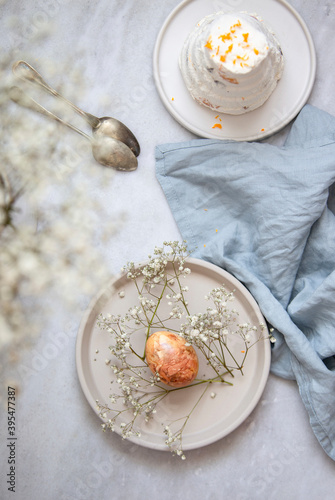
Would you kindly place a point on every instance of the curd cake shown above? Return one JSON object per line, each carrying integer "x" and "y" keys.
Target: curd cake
{"x": 231, "y": 62}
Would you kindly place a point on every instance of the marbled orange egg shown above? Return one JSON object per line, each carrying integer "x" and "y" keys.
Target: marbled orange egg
{"x": 168, "y": 355}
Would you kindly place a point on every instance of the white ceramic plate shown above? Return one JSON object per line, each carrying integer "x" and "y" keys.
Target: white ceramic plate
{"x": 283, "y": 105}
{"x": 213, "y": 418}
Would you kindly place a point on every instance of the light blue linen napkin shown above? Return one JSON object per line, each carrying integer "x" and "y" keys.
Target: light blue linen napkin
{"x": 266, "y": 214}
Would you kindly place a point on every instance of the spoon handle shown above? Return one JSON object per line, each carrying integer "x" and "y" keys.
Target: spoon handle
{"x": 18, "y": 96}
{"x": 26, "y": 72}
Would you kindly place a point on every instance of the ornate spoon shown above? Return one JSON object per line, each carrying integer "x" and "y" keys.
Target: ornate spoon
{"x": 105, "y": 126}
{"x": 106, "y": 150}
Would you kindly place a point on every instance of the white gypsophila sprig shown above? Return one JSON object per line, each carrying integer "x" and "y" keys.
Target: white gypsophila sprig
{"x": 212, "y": 330}
{"x": 221, "y": 340}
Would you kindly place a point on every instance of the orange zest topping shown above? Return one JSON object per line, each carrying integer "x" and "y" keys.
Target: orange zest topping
{"x": 236, "y": 25}
{"x": 256, "y": 52}
{"x": 223, "y": 58}
{"x": 226, "y": 36}
{"x": 230, "y": 48}
{"x": 262, "y": 129}
{"x": 245, "y": 36}
{"x": 217, "y": 125}
{"x": 209, "y": 43}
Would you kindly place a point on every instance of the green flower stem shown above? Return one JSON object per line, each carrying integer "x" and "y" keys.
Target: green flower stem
{"x": 238, "y": 367}
{"x": 223, "y": 359}
{"x": 154, "y": 314}
{"x": 246, "y": 347}
{"x": 132, "y": 350}
{"x": 181, "y": 430}
{"x": 216, "y": 371}
{"x": 203, "y": 381}
{"x": 180, "y": 288}
{"x": 140, "y": 293}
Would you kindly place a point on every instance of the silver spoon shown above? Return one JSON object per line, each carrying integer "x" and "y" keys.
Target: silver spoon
{"x": 105, "y": 126}
{"x": 106, "y": 150}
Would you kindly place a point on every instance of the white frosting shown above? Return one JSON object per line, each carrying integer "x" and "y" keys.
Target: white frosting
{"x": 231, "y": 62}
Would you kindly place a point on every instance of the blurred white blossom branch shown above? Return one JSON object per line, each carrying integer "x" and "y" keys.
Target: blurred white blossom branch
{"x": 51, "y": 221}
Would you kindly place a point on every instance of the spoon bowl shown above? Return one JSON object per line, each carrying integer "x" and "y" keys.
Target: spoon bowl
{"x": 111, "y": 127}
{"x": 113, "y": 153}
{"x": 105, "y": 126}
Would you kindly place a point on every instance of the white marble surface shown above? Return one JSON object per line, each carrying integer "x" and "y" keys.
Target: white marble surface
{"x": 62, "y": 453}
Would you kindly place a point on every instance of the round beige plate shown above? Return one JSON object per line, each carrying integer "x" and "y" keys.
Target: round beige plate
{"x": 213, "y": 418}
{"x": 283, "y": 105}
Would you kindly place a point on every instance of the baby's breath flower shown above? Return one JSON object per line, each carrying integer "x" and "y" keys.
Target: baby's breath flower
{"x": 49, "y": 218}
{"x": 210, "y": 332}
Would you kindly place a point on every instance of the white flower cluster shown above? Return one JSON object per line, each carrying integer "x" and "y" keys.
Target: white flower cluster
{"x": 154, "y": 272}
{"x": 49, "y": 231}
{"x": 212, "y": 333}
{"x": 174, "y": 441}
{"x": 215, "y": 323}
{"x": 131, "y": 400}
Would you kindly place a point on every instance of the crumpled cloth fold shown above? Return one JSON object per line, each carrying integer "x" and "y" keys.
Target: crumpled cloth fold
{"x": 266, "y": 214}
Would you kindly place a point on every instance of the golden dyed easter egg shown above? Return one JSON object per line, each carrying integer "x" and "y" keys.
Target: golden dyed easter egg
{"x": 168, "y": 355}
